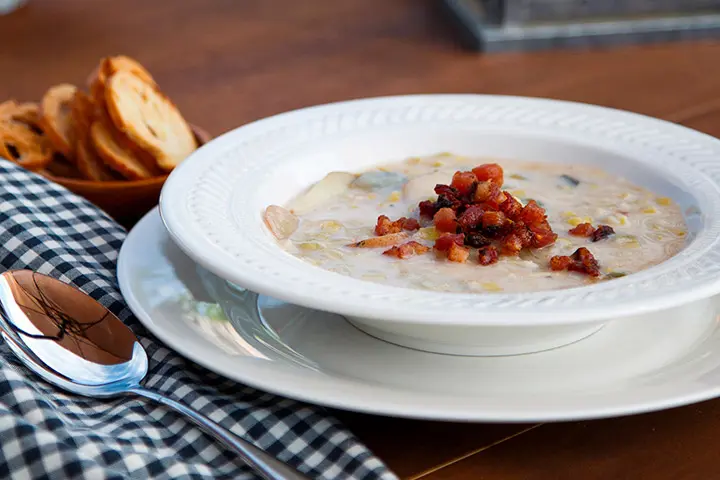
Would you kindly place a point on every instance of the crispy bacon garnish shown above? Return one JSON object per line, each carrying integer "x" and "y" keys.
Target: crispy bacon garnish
{"x": 464, "y": 182}
{"x": 587, "y": 230}
{"x": 407, "y": 250}
{"x": 447, "y": 240}
{"x": 487, "y": 255}
{"x": 385, "y": 225}
{"x": 382, "y": 241}
{"x": 474, "y": 212}
{"x": 581, "y": 261}
{"x": 582, "y": 230}
{"x": 458, "y": 254}
{"x": 602, "y": 231}
{"x": 445, "y": 220}
{"x": 489, "y": 171}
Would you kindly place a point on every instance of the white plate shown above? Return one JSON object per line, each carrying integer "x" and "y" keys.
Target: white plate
{"x": 628, "y": 367}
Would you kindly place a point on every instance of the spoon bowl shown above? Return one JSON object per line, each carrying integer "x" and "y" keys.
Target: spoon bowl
{"x": 72, "y": 341}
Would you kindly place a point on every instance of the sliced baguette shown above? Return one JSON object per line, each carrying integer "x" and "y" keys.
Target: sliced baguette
{"x": 115, "y": 156}
{"x": 149, "y": 119}
{"x": 109, "y": 66}
{"x": 55, "y": 118}
{"x": 90, "y": 164}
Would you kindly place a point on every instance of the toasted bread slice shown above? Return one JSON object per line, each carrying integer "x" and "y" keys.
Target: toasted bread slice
{"x": 27, "y": 113}
{"x": 149, "y": 119}
{"x": 24, "y": 146}
{"x": 90, "y": 165}
{"x": 82, "y": 114}
{"x": 55, "y": 117}
{"x": 109, "y": 66}
{"x": 115, "y": 156}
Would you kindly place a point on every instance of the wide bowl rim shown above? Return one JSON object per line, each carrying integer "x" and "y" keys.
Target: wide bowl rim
{"x": 364, "y": 301}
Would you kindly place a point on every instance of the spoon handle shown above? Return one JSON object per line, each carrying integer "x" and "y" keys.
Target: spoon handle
{"x": 266, "y": 465}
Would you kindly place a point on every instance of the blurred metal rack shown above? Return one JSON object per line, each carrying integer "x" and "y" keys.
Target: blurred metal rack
{"x": 520, "y": 25}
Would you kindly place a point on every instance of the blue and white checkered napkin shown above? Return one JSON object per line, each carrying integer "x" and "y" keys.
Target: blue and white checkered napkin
{"x": 48, "y": 434}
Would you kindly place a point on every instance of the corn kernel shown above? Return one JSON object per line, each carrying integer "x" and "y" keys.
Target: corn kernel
{"x": 394, "y": 197}
{"x": 428, "y": 233}
{"x": 383, "y": 169}
{"x": 491, "y": 287}
{"x": 623, "y": 220}
{"x": 623, "y": 196}
{"x": 330, "y": 226}
{"x": 310, "y": 246}
{"x": 587, "y": 219}
{"x": 372, "y": 196}
{"x": 649, "y": 210}
{"x": 438, "y": 164}
{"x": 680, "y": 233}
{"x": 568, "y": 214}
{"x": 517, "y": 176}
{"x": 659, "y": 237}
{"x": 664, "y": 201}
{"x": 575, "y": 221}
{"x": 413, "y": 160}
{"x": 444, "y": 154}
{"x": 518, "y": 193}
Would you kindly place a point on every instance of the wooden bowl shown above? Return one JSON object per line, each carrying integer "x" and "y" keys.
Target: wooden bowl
{"x": 124, "y": 200}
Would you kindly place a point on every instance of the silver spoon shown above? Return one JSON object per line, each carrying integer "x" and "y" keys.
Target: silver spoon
{"x": 73, "y": 342}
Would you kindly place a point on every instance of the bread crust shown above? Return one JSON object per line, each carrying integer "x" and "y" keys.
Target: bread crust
{"x": 55, "y": 117}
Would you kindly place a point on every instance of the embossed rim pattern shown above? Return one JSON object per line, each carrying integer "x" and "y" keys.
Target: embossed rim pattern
{"x": 207, "y": 205}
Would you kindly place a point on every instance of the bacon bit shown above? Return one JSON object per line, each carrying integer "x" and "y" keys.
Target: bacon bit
{"x": 581, "y": 261}
{"x": 511, "y": 207}
{"x": 489, "y": 171}
{"x": 472, "y": 217}
{"x": 485, "y": 191}
{"x": 532, "y": 213}
{"x": 427, "y": 208}
{"x": 542, "y": 234}
{"x": 523, "y": 233}
{"x": 445, "y": 220}
{"x": 560, "y": 262}
{"x": 407, "y": 250}
{"x": 385, "y": 226}
{"x": 382, "y": 241}
{"x": 463, "y": 182}
{"x": 476, "y": 240}
{"x": 582, "y": 230}
{"x": 511, "y": 245}
{"x": 493, "y": 220}
{"x": 458, "y": 254}
{"x": 487, "y": 255}
{"x": 602, "y": 231}
{"x": 447, "y": 240}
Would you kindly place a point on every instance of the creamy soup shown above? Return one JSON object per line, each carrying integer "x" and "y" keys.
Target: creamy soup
{"x": 626, "y": 228}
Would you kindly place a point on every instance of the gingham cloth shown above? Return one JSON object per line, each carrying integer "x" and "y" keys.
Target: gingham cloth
{"x": 48, "y": 434}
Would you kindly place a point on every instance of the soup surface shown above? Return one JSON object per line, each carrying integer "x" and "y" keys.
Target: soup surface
{"x": 334, "y": 225}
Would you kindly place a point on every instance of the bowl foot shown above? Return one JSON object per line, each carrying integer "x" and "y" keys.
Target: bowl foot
{"x": 477, "y": 341}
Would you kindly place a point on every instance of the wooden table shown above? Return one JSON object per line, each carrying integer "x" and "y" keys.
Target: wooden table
{"x": 227, "y": 62}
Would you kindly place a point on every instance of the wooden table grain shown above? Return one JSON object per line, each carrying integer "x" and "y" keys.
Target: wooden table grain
{"x": 228, "y": 62}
